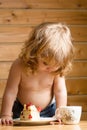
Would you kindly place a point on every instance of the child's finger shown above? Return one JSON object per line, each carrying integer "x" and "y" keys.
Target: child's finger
{"x": 3, "y": 122}
{"x": 55, "y": 123}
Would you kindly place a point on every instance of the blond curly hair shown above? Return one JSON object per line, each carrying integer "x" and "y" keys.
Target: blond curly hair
{"x": 53, "y": 43}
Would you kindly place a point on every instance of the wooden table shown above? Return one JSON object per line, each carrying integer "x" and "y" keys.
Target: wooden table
{"x": 81, "y": 126}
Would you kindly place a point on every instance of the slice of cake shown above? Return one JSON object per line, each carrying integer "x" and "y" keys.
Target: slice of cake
{"x": 30, "y": 112}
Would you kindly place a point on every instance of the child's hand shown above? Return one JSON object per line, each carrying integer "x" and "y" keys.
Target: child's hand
{"x": 6, "y": 120}
{"x": 57, "y": 122}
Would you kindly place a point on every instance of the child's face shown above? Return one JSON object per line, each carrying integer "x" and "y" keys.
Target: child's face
{"x": 43, "y": 66}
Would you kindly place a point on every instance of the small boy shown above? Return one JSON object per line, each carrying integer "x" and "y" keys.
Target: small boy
{"x": 37, "y": 76}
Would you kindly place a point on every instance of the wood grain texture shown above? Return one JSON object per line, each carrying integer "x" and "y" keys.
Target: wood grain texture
{"x": 35, "y": 17}
{"x": 44, "y": 4}
{"x": 84, "y": 116}
{"x": 79, "y": 68}
{"x": 78, "y": 100}
{"x": 81, "y": 51}
{"x": 2, "y": 87}
{"x": 9, "y": 52}
{"x": 14, "y": 33}
{"x": 76, "y": 86}
{"x": 4, "y": 69}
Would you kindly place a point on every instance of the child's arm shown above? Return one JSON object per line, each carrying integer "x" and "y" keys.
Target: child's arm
{"x": 60, "y": 91}
{"x": 10, "y": 93}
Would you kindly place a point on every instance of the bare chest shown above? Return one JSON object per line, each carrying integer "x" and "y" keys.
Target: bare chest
{"x": 37, "y": 82}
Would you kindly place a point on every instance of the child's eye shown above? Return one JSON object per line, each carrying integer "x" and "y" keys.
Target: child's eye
{"x": 45, "y": 63}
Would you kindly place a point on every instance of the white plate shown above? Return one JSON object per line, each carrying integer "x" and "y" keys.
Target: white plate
{"x": 42, "y": 121}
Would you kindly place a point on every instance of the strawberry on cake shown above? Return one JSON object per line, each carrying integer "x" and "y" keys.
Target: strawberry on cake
{"x": 30, "y": 112}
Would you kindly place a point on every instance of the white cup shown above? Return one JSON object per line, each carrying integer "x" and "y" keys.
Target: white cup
{"x": 69, "y": 114}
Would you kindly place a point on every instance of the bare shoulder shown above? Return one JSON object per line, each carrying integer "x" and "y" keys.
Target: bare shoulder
{"x": 17, "y": 66}
{"x": 59, "y": 78}
{"x": 59, "y": 82}
{"x": 17, "y": 62}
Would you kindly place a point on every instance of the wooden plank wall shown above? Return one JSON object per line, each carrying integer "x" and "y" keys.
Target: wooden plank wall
{"x": 18, "y": 17}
